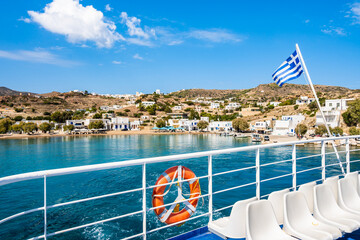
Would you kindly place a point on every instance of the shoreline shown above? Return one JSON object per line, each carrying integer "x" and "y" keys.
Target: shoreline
{"x": 108, "y": 133}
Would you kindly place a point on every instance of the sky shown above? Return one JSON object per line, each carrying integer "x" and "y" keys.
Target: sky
{"x": 120, "y": 47}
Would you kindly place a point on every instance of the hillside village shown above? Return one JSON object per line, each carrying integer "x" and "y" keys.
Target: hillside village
{"x": 267, "y": 109}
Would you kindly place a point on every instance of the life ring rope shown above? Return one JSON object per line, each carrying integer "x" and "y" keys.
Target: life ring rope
{"x": 183, "y": 174}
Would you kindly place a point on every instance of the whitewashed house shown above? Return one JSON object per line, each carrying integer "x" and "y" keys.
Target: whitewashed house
{"x": 206, "y": 119}
{"x": 332, "y": 112}
{"x": 304, "y": 100}
{"x": 233, "y": 106}
{"x": 135, "y": 125}
{"x": 177, "y": 108}
{"x": 146, "y": 104}
{"x": 275, "y": 104}
{"x": 260, "y": 126}
{"x": 120, "y": 123}
{"x": 220, "y": 126}
{"x": 215, "y": 105}
{"x": 287, "y": 124}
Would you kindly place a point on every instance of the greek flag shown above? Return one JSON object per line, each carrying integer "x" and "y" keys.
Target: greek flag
{"x": 288, "y": 70}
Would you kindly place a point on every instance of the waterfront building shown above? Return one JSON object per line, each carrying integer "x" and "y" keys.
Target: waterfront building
{"x": 216, "y": 126}
{"x": 332, "y": 111}
{"x": 287, "y": 125}
{"x": 120, "y": 123}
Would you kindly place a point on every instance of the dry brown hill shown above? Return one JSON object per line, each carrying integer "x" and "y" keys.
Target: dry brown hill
{"x": 4, "y": 91}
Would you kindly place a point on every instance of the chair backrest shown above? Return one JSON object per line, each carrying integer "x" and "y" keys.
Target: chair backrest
{"x": 347, "y": 193}
{"x": 324, "y": 200}
{"x": 308, "y": 191}
{"x": 353, "y": 176}
{"x": 332, "y": 182}
{"x": 277, "y": 202}
{"x": 238, "y": 218}
{"x": 296, "y": 210}
{"x": 260, "y": 220}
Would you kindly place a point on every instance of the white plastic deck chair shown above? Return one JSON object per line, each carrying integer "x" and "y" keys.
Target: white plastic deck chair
{"x": 354, "y": 177}
{"x": 328, "y": 211}
{"x": 332, "y": 182}
{"x": 349, "y": 200}
{"x": 261, "y": 222}
{"x": 308, "y": 190}
{"x": 299, "y": 222}
{"x": 233, "y": 226}
{"x": 277, "y": 202}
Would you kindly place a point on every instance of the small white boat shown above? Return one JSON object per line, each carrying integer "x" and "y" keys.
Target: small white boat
{"x": 255, "y": 137}
{"x": 241, "y": 136}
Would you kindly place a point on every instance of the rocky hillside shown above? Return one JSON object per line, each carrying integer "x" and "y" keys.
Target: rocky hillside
{"x": 4, "y": 91}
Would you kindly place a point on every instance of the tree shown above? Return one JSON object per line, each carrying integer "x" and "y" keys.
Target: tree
{"x": 337, "y": 130}
{"x": 18, "y": 118}
{"x": 151, "y": 109}
{"x": 301, "y": 129}
{"x": 45, "y": 127}
{"x": 18, "y": 128}
{"x": 240, "y": 124}
{"x": 193, "y": 115}
{"x": 68, "y": 127}
{"x": 320, "y": 130}
{"x": 354, "y": 131}
{"x": 160, "y": 123}
{"x": 5, "y": 125}
{"x": 313, "y": 106}
{"x": 30, "y": 127}
{"x": 97, "y": 116}
{"x": 202, "y": 125}
{"x": 98, "y": 124}
{"x": 352, "y": 115}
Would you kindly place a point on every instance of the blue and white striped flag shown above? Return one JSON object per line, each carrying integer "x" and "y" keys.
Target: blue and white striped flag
{"x": 288, "y": 70}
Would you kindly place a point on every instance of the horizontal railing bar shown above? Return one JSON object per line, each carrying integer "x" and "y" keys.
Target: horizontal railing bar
{"x": 355, "y": 161}
{"x": 328, "y": 153}
{"x": 169, "y": 204}
{"x": 93, "y": 198}
{"x": 133, "y": 236}
{"x": 311, "y": 156}
{"x": 184, "y": 180}
{"x": 137, "y": 162}
{"x": 306, "y": 170}
{"x": 272, "y": 163}
{"x": 333, "y": 164}
{"x": 232, "y": 188}
{"x": 354, "y": 150}
{"x": 273, "y": 178}
{"x": 224, "y": 208}
{"x": 231, "y": 171}
{"x": 177, "y": 223}
{"x": 21, "y": 214}
{"x": 93, "y": 223}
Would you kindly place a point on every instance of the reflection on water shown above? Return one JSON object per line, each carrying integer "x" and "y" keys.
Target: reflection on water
{"x": 25, "y": 155}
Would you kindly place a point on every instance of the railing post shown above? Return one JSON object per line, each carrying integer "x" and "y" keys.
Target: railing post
{"x": 144, "y": 199}
{"x": 257, "y": 163}
{"x": 347, "y": 148}
{"x": 323, "y": 161}
{"x": 45, "y": 210}
{"x": 294, "y": 167}
{"x": 210, "y": 188}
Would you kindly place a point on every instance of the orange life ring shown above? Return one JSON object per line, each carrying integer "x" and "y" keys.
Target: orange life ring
{"x": 158, "y": 195}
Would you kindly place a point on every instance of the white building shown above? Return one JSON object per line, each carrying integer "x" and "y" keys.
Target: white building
{"x": 206, "y": 119}
{"x": 215, "y": 105}
{"x": 260, "y": 126}
{"x": 304, "y": 100}
{"x": 157, "y": 91}
{"x": 220, "y": 126}
{"x": 287, "y": 124}
{"x": 145, "y": 117}
{"x": 332, "y": 112}
{"x": 263, "y": 104}
{"x": 177, "y": 108}
{"x": 84, "y": 123}
{"x": 198, "y": 108}
{"x": 275, "y": 103}
{"x": 146, "y": 104}
{"x": 232, "y": 106}
{"x": 135, "y": 125}
{"x": 120, "y": 123}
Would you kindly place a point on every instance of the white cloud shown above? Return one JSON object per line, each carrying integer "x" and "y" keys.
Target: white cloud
{"x": 108, "y": 8}
{"x": 137, "y": 56}
{"x": 355, "y": 11}
{"x": 307, "y": 20}
{"x": 27, "y": 20}
{"x": 38, "y": 56}
{"x": 215, "y": 35}
{"x": 78, "y": 23}
{"x": 134, "y": 29}
{"x": 117, "y": 62}
{"x": 334, "y": 31}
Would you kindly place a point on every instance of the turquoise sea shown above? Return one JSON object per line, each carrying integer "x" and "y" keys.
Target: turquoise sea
{"x": 26, "y": 155}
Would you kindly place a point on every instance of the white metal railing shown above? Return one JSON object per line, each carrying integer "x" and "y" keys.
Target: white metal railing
{"x": 146, "y": 161}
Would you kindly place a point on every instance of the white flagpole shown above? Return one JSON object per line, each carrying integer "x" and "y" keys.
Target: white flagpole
{"x": 318, "y": 103}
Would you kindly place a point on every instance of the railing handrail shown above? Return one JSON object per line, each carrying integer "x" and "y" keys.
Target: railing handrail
{"x": 136, "y": 162}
